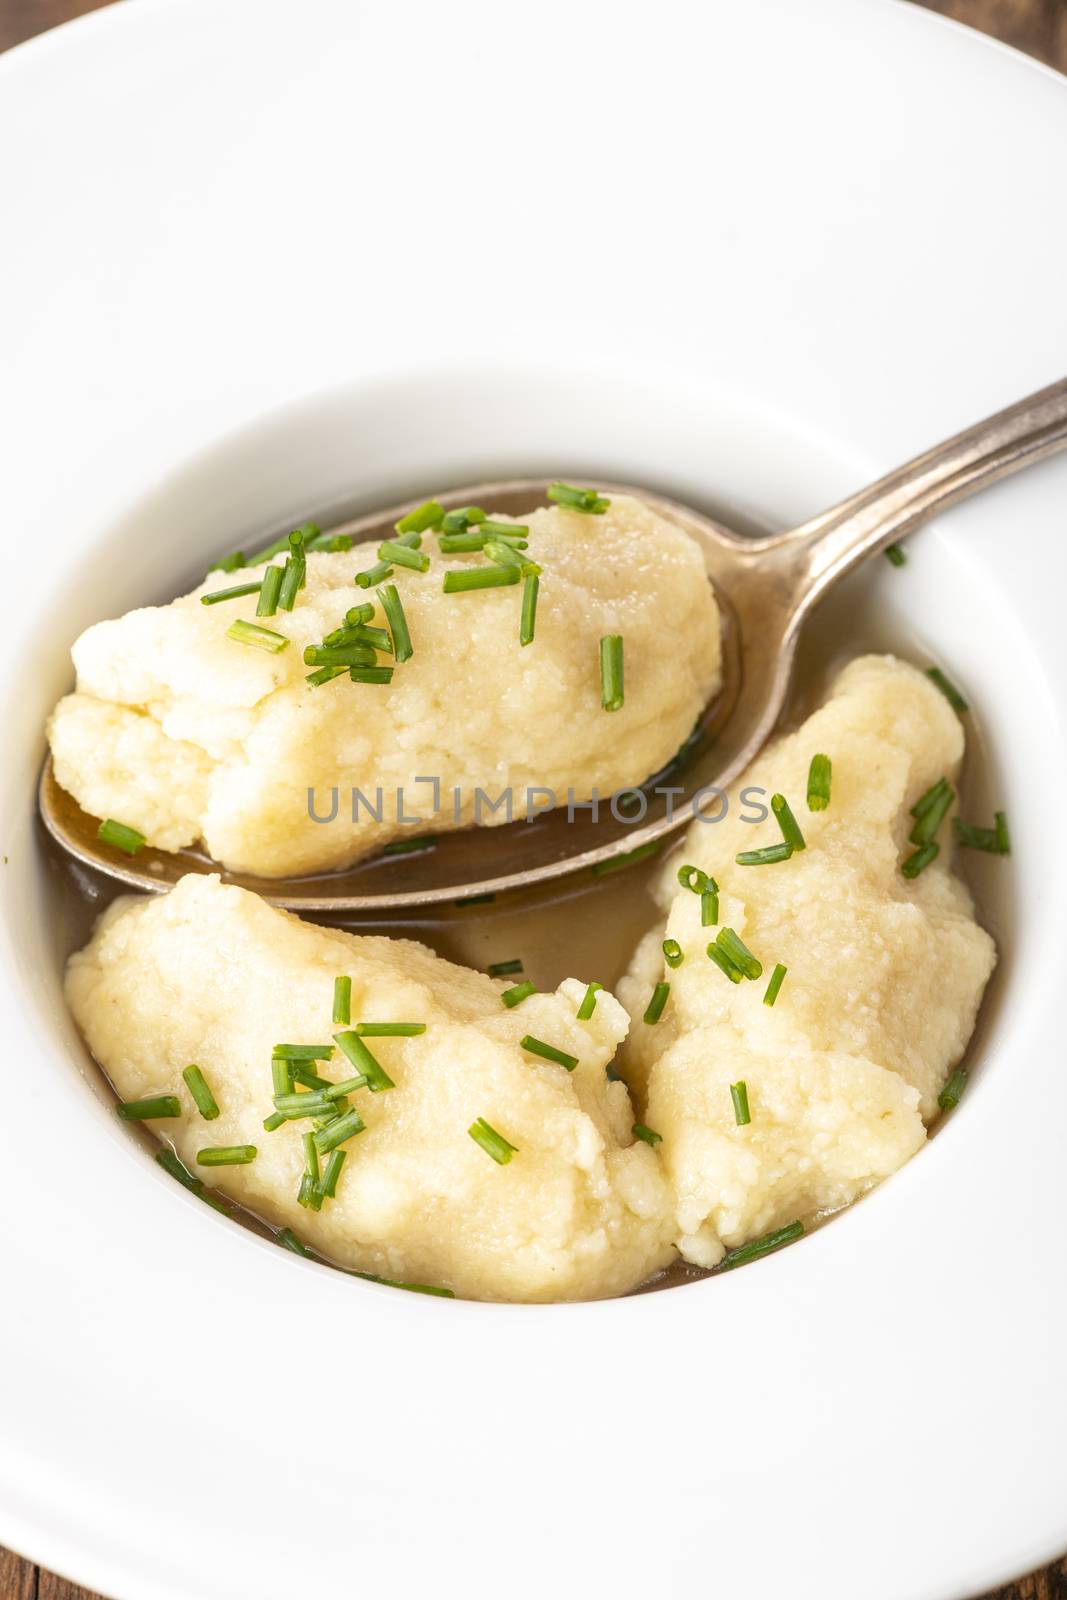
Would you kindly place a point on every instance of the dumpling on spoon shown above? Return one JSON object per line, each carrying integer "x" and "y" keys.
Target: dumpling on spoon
{"x": 186, "y": 733}
{"x": 884, "y": 974}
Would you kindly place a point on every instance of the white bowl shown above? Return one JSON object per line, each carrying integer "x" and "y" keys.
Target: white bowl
{"x": 266, "y": 261}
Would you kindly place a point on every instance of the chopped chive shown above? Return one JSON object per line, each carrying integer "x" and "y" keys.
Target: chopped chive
{"x": 948, "y": 689}
{"x": 281, "y": 1075}
{"x": 640, "y": 1130}
{"x": 342, "y": 1000}
{"x": 504, "y": 554}
{"x": 709, "y": 905}
{"x": 588, "y": 1005}
{"x": 402, "y": 555}
{"x": 517, "y": 994}
{"x": 895, "y": 555}
{"x": 358, "y": 615}
{"x": 333, "y": 543}
{"x": 311, "y": 1157}
{"x": 930, "y": 798}
{"x": 374, "y": 575}
{"x": 156, "y": 1105}
{"x": 739, "y": 953}
{"x": 296, "y": 1106}
{"x": 461, "y": 543}
{"x": 548, "y": 1052}
{"x": 342, "y": 655}
{"x": 324, "y": 675}
{"x": 972, "y": 838}
{"x": 777, "y": 979}
{"x": 371, "y": 674}
{"x": 765, "y": 857}
{"x": 128, "y": 840}
{"x": 269, "y": 590}
{"x": 390, "y": 1030}
{"x": 226, "y": 1155}
{"x": 203, "y": 1098}
{"x": 328, "y": 1182}
{"x": 819, "y": 783}
{"x": 654, "y": 1009}
{"x": 365, "y": 1062}
{"x": 338, "y": 1091}
{"x": 628, "y": 858}
{"x": 289, "y": 1241}
{"x": 528, "y": 619}
{"x": 261, "y": 638}
{"x": 920, "y": 860}
{"x": 275, "y": 1120}
{"x": 302, "y": 1052}
{"x": 231, "y": 563}
{"x": 311, "y": 1080}
{"x": 494, "y": 1144}
{"x": 405, "y": 847}
{"x": 952, "y": 1093}
{"x": 462, "y": 518}
{"x": 293, "y": 577}
{"x": 429, "y": 515}
{"x": 760, "y": 1247}
{"x": 398, "y": 622}
{"x": 309, "y": 1193}
{"x": 394, "y": 1283}
{"x": 673, "y": 953}
{"x": 693, "y": 878}
{"x": 514, "y": 532}
{"x": 338, "y": 1132}
{"x": 504, "y": 969}
{"x": 787, "y": 821}
{"x": 376, "y": 638}
{"x": 611, "y": 672}
{"x": 1000, "y": 823}
{"x": 926, "y": 824}
{"x": 464, "y": 578}
{"x": 279, "y": 547}
{"x": 575, "y": 499}
{"x": 717, "y": 954}
{"x": 739, "y": 1096}
{"x": 177, "y": 1169}
{"x": 235, "y": 593}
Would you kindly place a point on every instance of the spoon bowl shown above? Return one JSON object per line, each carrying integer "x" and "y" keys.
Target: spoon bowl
{"x": 765, "y": 589}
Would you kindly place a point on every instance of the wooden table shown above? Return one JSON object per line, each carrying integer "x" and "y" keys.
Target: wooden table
{"x": 1037, "y": 26}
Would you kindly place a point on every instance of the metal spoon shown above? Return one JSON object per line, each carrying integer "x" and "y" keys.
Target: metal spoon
{"x": 766, "y": 589}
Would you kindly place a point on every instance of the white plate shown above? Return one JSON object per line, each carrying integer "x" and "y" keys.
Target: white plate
{"x": 750, "y": 252}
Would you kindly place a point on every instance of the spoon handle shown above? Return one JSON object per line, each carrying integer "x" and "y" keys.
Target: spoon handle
{"x": 833, "y": 543}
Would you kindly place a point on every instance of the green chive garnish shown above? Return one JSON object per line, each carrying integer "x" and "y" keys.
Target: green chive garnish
{"x": 332, "y": 1173}
{"x": 333, "y": 543}
{"x": 1000, "y": 824}
{"x": 931, "y": 798}
{"x": 972, "y": 838}
{"x": 324, "y": 675}
{"x": 787, "y": 821}
{"x": 371, "y": 674}
{"x": 359, "y": 615}
{"x": 765, "y": 857}
{"x": 934, "y": 806}
{"x": 717, "y": 954}
{"x": 364, "y": 1062}
{"x": 777, "y": 979}
{"x": 402, "y": 555}
{"x": 548, "y": 1052}
{"x": 156, "y": 1105}
{"x": 517, "y": 994}
{"x": 398, "y": 622}
{"x": 588, "y": 1004}
{"x": 428, "y": 516}
{"x": 269, "y": 590}
{"x": 229, "y": 594}
{"x": 504, "y": 554}
{"x": 289, "y": 1241}
{"x": 654, "y": 1009}
{"x": 293, "y": 578}
{"x": 494, "y": 1144}
{"x": 673, "y": 953}
{"x": 303, "y": 1074}
{"x": 948, "y": 689}
{"x": 342, "y": 1000}
{"x": 528, "y": 619}
{"x": 376, "y": 638}
{"x": 761, "y": 1247}
{"x": 629, "y": 858}
{"x": 311, "y": 1157}
{"x": 374, "y": 575}
{"x": 739, "y": 1096}
{"x": 260, "y": 638}
{"x": 512, "y": 532}
{"x": 338, "y": 1091}
{"x": 611, "y": 672}
{"x": 640, "y": 1130}
{"x": 275, "y": 1120}
{"x": 691, "y": 877}
{"x": 341, "y": 655}
{"x": 504, "y": 969}
{"x": 462, "y": 518}
{"x": 203, "y": 1098}
{"x": 739, "y": 953}
{"x": 709, "y": 905}
{"x": 177, "y": 1169}
{"x": 920, "y": 860}
{"x": 464, "y": 578}
{"x": 819, "y": 783}
{"x": 405, "y": 847}
{"x": 226, "y": 1155}
{"x": 128, "y": 840}
{"x": 895, "y": 555}
{"x": 301, "y": 536}
{"x": 952, "y": 1093}
{"x": 302, "y": 1052}
{"x": 281, "y": 1075}
{"x": 296, "y": 1106}
{"x": 390, "y": 1030}
{"x": 230, "y": 563}
{"x": 575, "y": 499}
{"x": 461, "y": 543}
{"x": 339, "y": 1131}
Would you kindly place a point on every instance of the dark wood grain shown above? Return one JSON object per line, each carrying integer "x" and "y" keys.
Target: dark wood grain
{"x": 1036, "y": 26}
